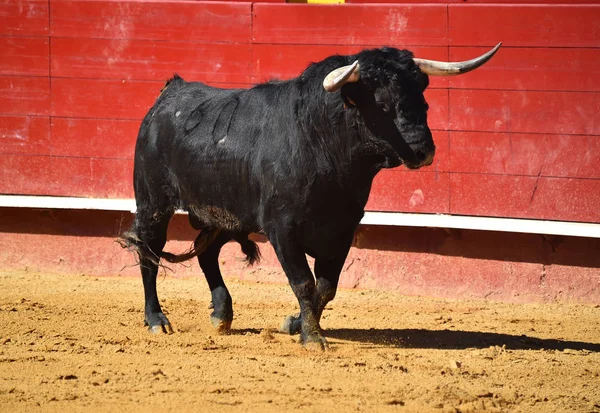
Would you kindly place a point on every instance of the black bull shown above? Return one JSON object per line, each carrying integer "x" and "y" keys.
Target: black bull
{"x": 294, "y": 160}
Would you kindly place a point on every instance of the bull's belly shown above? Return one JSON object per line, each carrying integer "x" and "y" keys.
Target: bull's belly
{"x": 211, "y": 215}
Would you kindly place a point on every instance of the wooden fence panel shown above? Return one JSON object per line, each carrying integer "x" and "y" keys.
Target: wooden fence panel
{"x": 519, "y": 137}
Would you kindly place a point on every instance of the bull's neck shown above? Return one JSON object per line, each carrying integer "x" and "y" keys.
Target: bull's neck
{"x": 334, "y": 144}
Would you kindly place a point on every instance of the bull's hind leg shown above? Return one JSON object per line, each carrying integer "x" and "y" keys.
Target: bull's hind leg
{"x": 150, "y": 235}
{"x": 213, "y": 241}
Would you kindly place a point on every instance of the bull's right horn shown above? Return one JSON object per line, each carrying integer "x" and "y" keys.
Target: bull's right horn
{"x": 340, "y": 76}
{"x": 436, "y": 68}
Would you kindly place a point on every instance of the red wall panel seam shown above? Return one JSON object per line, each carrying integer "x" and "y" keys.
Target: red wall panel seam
{"x": 539, "y": 175}
{"x": 448, "y": 108}
{"x": 528, "y": 133}
{"x": 50, "y": 137}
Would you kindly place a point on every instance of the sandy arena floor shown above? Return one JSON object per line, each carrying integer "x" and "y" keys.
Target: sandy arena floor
{"x": 77, "y": 343}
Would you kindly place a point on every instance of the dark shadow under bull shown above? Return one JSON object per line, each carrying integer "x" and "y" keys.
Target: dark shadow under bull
{"x": 294, "y": 160}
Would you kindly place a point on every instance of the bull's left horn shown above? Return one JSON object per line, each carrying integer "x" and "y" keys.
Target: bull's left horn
{"x": 436, "y": 68}
{"x": 340, "y": 76}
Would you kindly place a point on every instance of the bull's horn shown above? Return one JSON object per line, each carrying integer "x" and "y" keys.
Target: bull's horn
{"x": 435, "y": 68}
{"x": 340, "y": 76}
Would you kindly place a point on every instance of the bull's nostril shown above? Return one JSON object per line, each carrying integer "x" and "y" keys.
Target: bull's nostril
{"x": 429, "y": 159}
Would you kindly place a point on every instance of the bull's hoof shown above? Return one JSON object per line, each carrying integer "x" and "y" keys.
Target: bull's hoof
{"x": 222, "y": 326}
{"x": 158, "y": 323}
{"x": 315, "y": 342}
{"x": 157, "y": 329}
{"x": 222, "y": 314}
{"x": 291, "y": 325}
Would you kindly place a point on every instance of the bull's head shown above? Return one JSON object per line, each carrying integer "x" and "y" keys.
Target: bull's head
{"x": 386, "y": 86}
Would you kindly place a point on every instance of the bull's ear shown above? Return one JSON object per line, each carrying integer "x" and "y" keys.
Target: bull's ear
{"x": 340, "y": 76}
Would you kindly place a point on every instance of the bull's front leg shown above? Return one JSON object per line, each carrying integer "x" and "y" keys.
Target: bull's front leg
{"x": 327, "y": 273}
{"x": 295, "y": 266}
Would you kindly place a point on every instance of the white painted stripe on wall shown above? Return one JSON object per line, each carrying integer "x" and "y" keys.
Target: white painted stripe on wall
{"x": 57, "y": 202}
{"x": 532, "y": 226}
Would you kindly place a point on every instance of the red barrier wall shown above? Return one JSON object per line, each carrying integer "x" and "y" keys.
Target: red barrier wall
{"x": 517, "y": 138}
{"x": 454, "y": 264}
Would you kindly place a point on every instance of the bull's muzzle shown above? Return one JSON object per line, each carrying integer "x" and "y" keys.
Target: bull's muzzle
{"x": 423, "y": 157}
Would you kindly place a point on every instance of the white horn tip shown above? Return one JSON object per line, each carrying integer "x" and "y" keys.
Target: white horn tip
{"x": 338, "y": 77}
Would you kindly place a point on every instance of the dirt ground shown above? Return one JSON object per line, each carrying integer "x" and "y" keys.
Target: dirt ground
{"x": 77, "y": 343}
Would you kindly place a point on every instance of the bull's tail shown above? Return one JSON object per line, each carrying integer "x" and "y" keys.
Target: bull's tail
{"x": 130, "y": 241}
{"x": 200, "y": 245}
{"x": 250, "y": 248}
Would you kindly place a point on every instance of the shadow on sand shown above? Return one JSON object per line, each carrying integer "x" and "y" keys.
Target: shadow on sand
{"x": 454, "y": 340}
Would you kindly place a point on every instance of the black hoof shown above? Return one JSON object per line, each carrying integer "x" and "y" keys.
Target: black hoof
{"x": 315, "y": 342}
{"x": 163, "y": 328}
{"x": 222, "y": 306}
{"x": 222, "y": 325}
{"x": 291, "y": 325}
{"x": 158, "y": 323}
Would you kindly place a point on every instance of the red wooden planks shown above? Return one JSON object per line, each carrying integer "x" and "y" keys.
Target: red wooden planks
{"x": 527, "y": 112}
{"x": 72, "y": 177}
{"x": 94, "y": 138}
{"x": 150, "y": 60}
{"x": 57, "y": 176}
{"x": 409, "y": 191}
{"x": 25, "y": 135}
{"x": 112, "y": 99}
{"x": 25, "y": 174}
{"x": 476, "y": 1}
{"x": 437, "y": 116}
{"x": 524, "y": 25}
{"x": 106, "y": 99}
{"x": 152, "y": 20}
{"x": 567, "y": 69}
{"x": 24, "y": 56}
{"x": 571, "y": 156}
{"x": 24, "y": 95}
{"x": 87, "y": 177}
{"x": 540, "y": 90}
{"x": 402, "y": 1}
{"x": 113, "y": 178}
{"x": 442, "y": 151}
{"x": 24, "y": 17}
{"x": 283, "y": 61}
{"x": 423, "y": 24}
{"x": 567, "y": 199}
